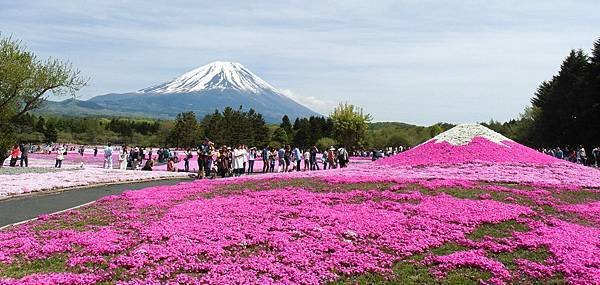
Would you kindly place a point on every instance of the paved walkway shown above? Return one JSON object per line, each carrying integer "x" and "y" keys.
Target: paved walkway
{"x": 28, "y": 207}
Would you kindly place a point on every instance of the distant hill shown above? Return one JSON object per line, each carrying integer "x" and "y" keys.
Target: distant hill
{"x": 214, "y": 86}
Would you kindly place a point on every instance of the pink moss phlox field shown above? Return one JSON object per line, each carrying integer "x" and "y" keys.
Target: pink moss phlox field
{"x": 283, "y": 235}
{"x": 472, "y": 258}
{"x": 590, "y": 211}
{"x": 481, "y": 199}
{"x": 575, "y": 248}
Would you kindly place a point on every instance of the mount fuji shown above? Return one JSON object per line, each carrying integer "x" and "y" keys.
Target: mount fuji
{"x": 203, "y": 90}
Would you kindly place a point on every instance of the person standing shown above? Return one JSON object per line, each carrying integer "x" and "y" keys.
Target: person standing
{"x": 596, "y": 154}
{"x": 314, "y": 152}
{"x": 298, "y": 158}
{"x": 272, "y": 157}
{"x": 108, "y": 161}
{"x": 15, "y": 153}
{"x": 558, "y": 153}
{"x": 306, "y": 160}
{"x": 60, "y": 156}
{"x": 200, "y": 159}
{"x": 95, "y": 151}
{"x": 281, "y": 167}
{"x": 133, "y": 157}
{"x": 331, "y": 157}
{"x": 186, "y": 159}
{"x": 581, "y": 156}
{"x": 251, "y": 158}
{"x": 325, "y": 160}
{"x": 24, "y": 155}
{"x": 238, "y": 160}
{"x": 264, "y": 155}
{"x": 123, "y": 158}
{"x": 342, "y": 156}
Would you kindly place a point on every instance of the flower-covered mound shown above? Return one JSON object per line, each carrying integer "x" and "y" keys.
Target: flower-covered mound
{"x": 470, "y": 143}
{"x": 271, "y": 229}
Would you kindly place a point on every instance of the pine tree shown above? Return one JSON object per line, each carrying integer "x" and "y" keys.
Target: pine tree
{"x": 286, "y": 125}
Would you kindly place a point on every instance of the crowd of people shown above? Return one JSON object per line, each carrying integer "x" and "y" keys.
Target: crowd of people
{"x": 576, "y": 155}
{"x": 211, "y": 161}
{"x": 226, "y": 161}
{"x": 376, "y": 154}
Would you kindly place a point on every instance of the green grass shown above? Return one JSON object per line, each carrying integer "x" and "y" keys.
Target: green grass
{"x": 577, "y": 197}
{"x": 500, "y": 230}
{"x": 310, "y": 184}
{"x": 448, "y": 248}
{"x": 21, "y": 268}
{"x": 466, "y": 275}
{"x": 539, "y": 255}
{"x": 410, "y": 272}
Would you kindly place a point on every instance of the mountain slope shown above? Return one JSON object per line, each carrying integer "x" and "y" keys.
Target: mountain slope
{"x": 202, "y": 90}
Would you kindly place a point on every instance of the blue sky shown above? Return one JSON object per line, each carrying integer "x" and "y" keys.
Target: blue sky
{"x": 412, "y": 61}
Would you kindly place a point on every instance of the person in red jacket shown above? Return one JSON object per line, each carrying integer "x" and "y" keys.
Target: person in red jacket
{"x": 15, "y": 154}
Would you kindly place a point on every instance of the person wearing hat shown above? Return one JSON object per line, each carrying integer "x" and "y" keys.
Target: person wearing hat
{"x": 331, "y": 157}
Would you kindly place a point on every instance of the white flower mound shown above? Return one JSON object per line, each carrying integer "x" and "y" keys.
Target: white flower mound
{"x": 465, "y": 133}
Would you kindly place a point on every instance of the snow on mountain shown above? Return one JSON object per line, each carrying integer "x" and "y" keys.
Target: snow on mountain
{"x": 218, "y": 75}
{"x": 214, "y": 86}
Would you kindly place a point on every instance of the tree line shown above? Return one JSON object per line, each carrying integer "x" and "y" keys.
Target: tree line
{"x": 565, "y": 110}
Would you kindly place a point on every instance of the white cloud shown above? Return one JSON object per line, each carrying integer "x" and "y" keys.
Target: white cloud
{"x": 322, "y": 106}
{"x": 405, "y": 60}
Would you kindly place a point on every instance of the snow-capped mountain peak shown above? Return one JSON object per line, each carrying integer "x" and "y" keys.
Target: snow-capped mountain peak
{"x": 216, "y": 75}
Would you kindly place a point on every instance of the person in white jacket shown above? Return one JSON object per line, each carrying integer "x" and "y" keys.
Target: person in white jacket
{"x": 238, "y": 160}
{"x": 60, "y": 156}
{"x": 123, "y": 158}
{"x": 108, "y": 162}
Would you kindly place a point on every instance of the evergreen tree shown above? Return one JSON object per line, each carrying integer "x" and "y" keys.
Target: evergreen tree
{"x": 562, "y": 103}
{"x": 186, "y": 132}
{"x": 280, "y": 136}
{"x": 50, "y": 133}
{"x": 303, "y": 133}
{"x": 232, "y": 127}
{"x": 287, "y": 126}
{"x": 40, "y": 126}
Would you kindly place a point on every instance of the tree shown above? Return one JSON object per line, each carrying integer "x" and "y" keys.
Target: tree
{"x": 25, "y": 83}
{"x": 40, "y": 126}
{"x": 186, "y": 132}
{"x": 50, "y": 133}
{"x": 302, "y": 133}
{"x": 280, "y": 136}
{"x": 325, "y": 143}
{"x": 232, "y": 127}
{"x": 563, "y": 104}
{"x": 350, "y": 125}
{"x": 287, "y": 126}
